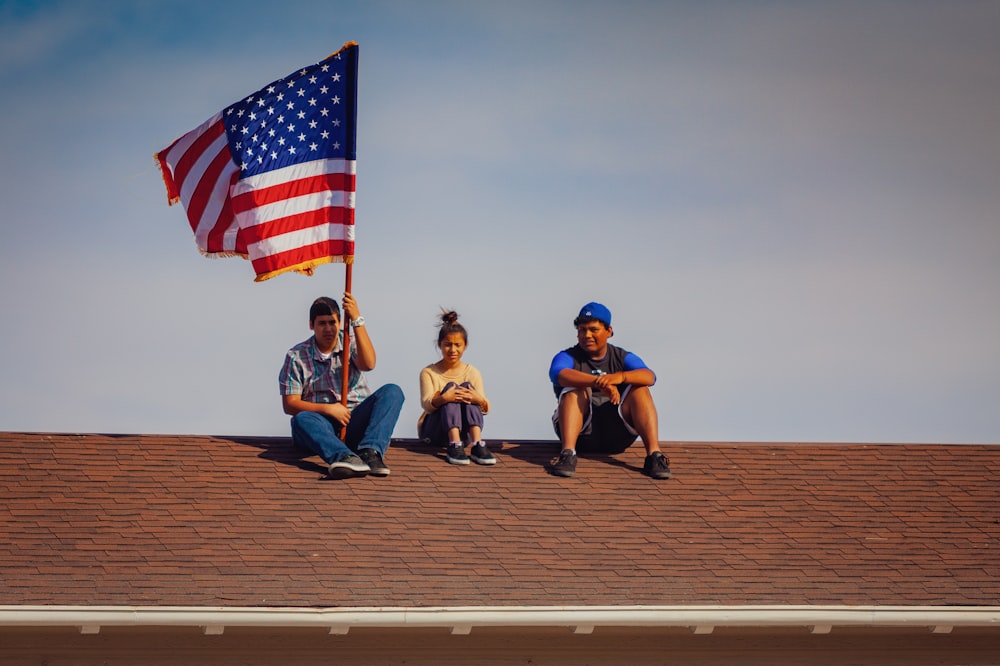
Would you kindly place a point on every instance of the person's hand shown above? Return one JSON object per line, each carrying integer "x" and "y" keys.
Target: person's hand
{"x": 351, "y": 310}
{"x": 338, "y": 412}
{"x": 469, "y": 396}
{"x": 607, "y": 385}
{"x": 449, "y": 395}
{"x": 604, "y": 381}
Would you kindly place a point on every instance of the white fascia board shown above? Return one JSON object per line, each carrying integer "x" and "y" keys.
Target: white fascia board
{"x": 340, "y": 620}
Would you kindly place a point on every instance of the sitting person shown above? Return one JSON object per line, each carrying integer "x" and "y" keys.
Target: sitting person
{"x": 451, "y": 393}
{"x": 311, "y": 385}
{"x": 604, "y": 398}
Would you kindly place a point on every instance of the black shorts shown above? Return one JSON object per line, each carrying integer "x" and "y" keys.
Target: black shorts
{"x": 606, "y": 432}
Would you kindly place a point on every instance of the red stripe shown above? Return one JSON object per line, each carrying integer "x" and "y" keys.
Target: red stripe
{"x": 203, "y": 193}
{"x": 194, "y": 152}
{"x": 302, "y": 255}
{"x": 226, "y": 220}
{"x": 332, "y": 182}
{"x": 297, "y": 222}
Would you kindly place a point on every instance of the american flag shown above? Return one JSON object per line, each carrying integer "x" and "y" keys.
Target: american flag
{"x": 272, "y": 177}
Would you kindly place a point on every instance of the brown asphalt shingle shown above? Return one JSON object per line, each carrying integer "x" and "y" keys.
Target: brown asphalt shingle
{"x": 218, "y": 521}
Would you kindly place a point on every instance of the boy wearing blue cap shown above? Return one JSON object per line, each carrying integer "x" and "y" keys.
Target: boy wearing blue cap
{"x": 604, "y": 398}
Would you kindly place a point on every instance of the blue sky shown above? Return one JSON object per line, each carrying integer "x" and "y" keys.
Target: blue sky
{"x": 791, "y": 208}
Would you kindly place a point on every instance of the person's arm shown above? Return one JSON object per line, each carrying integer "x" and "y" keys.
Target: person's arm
{"x": 365, "y": 357}
{"x": 293, "y": 404}
{"x": 635, "y": 373}
{"x": 562, "y": 373}
{"x": 429, "y": 398}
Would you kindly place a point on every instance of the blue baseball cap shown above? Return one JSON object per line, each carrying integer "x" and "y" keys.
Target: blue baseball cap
{"x": 596, "y": 311}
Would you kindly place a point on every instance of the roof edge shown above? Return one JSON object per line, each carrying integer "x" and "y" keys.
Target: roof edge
{"x": 461, "y": 620}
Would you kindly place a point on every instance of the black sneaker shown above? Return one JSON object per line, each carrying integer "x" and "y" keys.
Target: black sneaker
{"x": 456, "y": 455}
{"x": 565, "y": 464}
{"x": 347, "y": 467}
{"x": 657, "y": 465}
{"x": 481, "y": 455}
{"x": 374, "y": 461}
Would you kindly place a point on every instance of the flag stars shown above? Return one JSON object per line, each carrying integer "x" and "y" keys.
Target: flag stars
{"x": 276, "y": 130}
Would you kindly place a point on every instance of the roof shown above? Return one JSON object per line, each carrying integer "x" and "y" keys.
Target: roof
{"x": 205, "y": 521}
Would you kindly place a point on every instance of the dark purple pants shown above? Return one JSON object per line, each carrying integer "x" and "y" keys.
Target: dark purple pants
{"x": 436, "y": 425}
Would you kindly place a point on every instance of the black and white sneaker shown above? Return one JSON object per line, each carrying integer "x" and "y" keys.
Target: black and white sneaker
{"x": 565, "y": 464}
{"x": 374, "y": 461}
{"x": 481, "y": 455}
{"x": 456, "y": 455}
{"x": 657, "y": 465}
{"x": 347, "y": 467}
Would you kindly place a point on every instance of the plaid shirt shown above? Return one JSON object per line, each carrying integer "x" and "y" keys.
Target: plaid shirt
{"x": 316, "y": 379}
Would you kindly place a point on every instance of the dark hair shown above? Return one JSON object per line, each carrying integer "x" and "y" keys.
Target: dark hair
{"x": 323, "y": 306}
{"x": 586, "y": 320}
{"x": 449, "y": 324}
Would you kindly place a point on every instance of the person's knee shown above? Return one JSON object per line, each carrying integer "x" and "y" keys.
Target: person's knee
{"x": 575, "y": 399}
{"x": 304, "y": 419}
{"x": 391, "y": 392}
{"x": 638, "y": 401}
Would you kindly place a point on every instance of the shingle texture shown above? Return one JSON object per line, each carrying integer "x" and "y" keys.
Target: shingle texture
{"x": 236, "y": 521}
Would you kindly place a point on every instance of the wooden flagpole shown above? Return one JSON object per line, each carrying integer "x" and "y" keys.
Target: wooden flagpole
{"x": 345, "y": 366}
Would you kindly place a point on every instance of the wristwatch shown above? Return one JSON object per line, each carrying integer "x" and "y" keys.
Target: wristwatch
{"x": 360, "y": 321}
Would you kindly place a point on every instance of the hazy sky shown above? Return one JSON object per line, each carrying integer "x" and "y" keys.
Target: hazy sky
{"x": 792, "y": 209}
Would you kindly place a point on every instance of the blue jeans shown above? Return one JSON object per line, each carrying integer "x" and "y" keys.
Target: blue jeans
{"x": 436, "y": 425}
{"x": 371, "y": 427}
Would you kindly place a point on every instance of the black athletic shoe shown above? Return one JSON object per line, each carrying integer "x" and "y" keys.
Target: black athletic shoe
{"x": 374, "y": 460}
{"x": 347, "y": 467}
{"x": 565, "y": 464}
{"x": 456, "y": 455}
{"x": 481, "y": 455}
{"x": 657, "y": 466}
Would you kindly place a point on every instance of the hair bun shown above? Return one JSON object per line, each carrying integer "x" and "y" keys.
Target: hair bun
{"x": 449, "y": 317}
